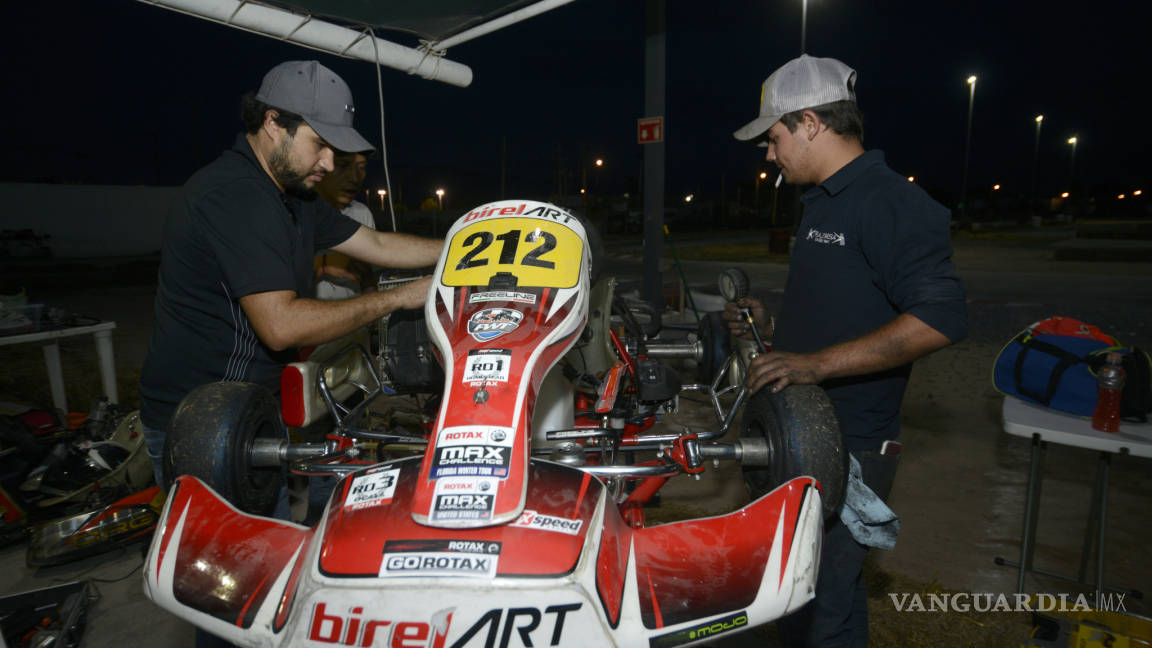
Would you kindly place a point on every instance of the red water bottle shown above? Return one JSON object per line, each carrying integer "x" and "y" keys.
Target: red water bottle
{"x": 1109, "y": 386}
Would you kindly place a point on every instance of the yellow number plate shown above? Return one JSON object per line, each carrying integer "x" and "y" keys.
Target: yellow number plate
{"x": 540, "y": 253}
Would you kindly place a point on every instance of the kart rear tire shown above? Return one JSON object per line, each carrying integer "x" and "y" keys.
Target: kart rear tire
{"x": 803, "y": 436}
{"x": 210, "y": 438}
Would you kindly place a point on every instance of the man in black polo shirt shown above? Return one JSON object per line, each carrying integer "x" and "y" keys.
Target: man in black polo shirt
{"x": 234, "y": 298}
{"x": 871, "y": 287}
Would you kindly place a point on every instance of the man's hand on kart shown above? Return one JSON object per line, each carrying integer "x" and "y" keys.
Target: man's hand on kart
{"x": 779, "y": 369}
{"x": 739, "y": 327}
{"x": 411, "y": 295}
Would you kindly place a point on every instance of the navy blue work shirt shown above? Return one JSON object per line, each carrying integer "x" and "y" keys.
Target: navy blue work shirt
{"x": 870, "y": 247}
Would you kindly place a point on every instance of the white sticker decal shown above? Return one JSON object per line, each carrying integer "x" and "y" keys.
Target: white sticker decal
{"x": 502, "y": 295}
{"x": 440, "y": 558}
{"x": 533, "y": 520}
{"x": 371, "y": 489}
{"x": 465, "y": 485}
{"x": 480, "y": 451}
{"x": 487, "y": 366}
{"x": 463, "y": 507}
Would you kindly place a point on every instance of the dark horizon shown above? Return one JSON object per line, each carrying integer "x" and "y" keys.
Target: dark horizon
{"x": 127, "y": 93}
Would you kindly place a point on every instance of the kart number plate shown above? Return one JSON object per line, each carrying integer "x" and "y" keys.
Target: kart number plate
{"x": 540, "y": 253}
{"x": 371, "y": 489}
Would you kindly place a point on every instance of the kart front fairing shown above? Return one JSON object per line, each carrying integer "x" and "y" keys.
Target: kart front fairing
{"x": 476, "y": 542}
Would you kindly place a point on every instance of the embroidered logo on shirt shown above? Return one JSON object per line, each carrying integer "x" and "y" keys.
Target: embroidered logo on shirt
{"x": 834, "y": 238}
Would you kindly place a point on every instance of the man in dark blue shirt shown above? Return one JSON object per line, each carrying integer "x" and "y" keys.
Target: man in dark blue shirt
{"x": 870, "y": 288}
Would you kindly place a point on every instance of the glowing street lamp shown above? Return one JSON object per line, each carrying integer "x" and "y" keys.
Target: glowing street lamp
{"x": 382, "y": 193}
{"x": 911, "y": 178}
{"x": 968, "y": 140}
{"x": 599, "y": 162}
{"x": 995, "y": 187}
{"x": 689, "y": 198}
{"x": 1064, "y": 195}
{"x": 440, "y": 197}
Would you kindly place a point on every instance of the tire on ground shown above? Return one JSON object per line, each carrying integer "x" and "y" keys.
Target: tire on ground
{"x": 210, "y": 436}
{"x": 803, "y": 436}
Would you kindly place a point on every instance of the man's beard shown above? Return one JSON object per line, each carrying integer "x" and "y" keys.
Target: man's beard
{"x": 291, "y": 180}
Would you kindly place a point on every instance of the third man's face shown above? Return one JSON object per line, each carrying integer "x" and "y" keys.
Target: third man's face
{"x": 342, "y": 185}
{"x": 790, "y": 153}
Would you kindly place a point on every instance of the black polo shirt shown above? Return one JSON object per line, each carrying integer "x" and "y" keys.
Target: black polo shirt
{"x": 870, "y": 246}
{"x": 230, "y": 233}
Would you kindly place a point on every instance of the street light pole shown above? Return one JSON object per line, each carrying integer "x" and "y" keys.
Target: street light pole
{"x": 1035, "y": 160}
{"x": 803, "y": 26}
{"x": 1072, "y": 160}
{"x": 967, "y": 144}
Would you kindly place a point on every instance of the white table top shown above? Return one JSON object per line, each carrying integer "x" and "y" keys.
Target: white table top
{"x": 1024, "y": 419}
{"x": 56, "y": 333}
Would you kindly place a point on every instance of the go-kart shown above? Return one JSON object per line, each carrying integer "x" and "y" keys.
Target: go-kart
{"x": 509, "y": 509}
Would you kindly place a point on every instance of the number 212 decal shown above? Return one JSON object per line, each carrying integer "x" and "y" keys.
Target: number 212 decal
{"x": 509, "y": 240}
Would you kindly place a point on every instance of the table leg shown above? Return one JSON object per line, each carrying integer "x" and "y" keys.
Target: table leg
{"x": 55, "y": 376}
{"x": 1031, "y": 510}
{"x": 1092, "y": 528}
{"x": 1102, "y": 473}
{"x": 107, "y": 365}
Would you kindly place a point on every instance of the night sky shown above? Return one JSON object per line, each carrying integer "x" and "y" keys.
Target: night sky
{"x": 120, "y": 92}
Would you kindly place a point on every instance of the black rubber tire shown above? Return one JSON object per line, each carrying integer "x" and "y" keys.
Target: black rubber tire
{"x": 712, "y": 332}
{"x": 210, "y": 435}
{"x": 595, "y": 247}
{"x": 803, "y": 438}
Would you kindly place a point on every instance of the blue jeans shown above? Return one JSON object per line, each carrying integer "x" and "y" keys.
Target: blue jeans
{"x": 838, "y": 615}
{"x": 154, "y": 443}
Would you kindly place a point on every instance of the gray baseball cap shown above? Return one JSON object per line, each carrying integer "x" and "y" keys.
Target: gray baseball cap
{"x": 319, "y": 96}
{"x": 800, "y": 83}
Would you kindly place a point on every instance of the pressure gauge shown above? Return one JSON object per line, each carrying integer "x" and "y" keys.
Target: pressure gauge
{"x": 733, "y": 283}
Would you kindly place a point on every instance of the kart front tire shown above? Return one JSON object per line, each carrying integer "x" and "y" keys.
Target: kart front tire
{"x": 210, "y": 438}
{"x": 803, "y": 436}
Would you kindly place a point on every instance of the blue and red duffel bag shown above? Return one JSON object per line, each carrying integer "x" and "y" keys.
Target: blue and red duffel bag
{"x": 1054, "y": 361}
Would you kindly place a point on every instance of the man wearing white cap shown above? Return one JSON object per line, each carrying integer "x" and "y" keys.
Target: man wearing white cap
{"x": 234, "y": 297}
{"x": 870, "y": 288}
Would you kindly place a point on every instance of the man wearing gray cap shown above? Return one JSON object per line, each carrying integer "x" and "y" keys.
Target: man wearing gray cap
{"x": 870, "y": 288}
{"x": 234, "y": 297}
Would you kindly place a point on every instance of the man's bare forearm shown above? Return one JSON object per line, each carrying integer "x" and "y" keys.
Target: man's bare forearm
{"x": 897, "y": 343}
{"x": 282, "y": 320}
{"x": 392, "y": 249}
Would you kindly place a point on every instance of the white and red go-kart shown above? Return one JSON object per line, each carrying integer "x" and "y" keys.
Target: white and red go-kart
{"x": 518, "y": 520}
